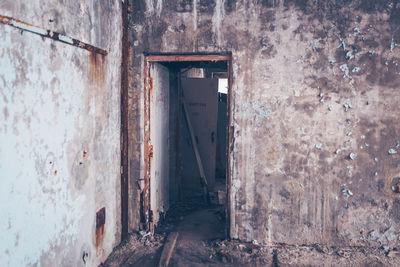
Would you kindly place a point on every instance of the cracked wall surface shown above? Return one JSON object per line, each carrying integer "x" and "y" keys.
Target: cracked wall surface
{"x": 59, "y": 134}
{"x": 314, "y": 109}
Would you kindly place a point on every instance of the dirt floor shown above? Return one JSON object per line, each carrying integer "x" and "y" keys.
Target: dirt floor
{"x": 201, "y": 242}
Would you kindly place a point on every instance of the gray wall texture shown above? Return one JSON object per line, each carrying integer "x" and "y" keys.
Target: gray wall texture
{"x": 59, "y": 134}
{"x": 315, "y": 107}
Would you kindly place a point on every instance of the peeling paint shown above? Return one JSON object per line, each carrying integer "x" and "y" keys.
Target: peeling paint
{"x": 345, "y": 69}
{"x": 261, "y": 110}
{"x": 347, "y": 106}
{"x": 347, "y": 193}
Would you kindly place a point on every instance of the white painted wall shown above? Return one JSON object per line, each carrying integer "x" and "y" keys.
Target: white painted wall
{"x": 59, "y": 135}
{"x": 159, "y": 137}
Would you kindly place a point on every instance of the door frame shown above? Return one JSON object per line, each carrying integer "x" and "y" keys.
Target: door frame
{"x": 124, "y": 130}
{"x": 147, "y": 223}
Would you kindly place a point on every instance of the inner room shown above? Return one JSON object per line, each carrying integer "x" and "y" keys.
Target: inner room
{"x": 187, "y": 139}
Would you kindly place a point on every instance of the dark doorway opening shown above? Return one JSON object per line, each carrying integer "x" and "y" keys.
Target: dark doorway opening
{"x": 186, "y": 135}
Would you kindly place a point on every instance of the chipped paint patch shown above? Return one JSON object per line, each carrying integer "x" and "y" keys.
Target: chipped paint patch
{"x": 345, "y": 69}
{"x": 347, "y": 193}
{"x": 261, "y": 111}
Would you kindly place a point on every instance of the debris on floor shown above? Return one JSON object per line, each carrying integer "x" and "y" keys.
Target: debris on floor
{"x": 201, "y": 242}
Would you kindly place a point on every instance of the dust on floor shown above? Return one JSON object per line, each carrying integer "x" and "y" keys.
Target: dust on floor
{"x": 201, "y": 242}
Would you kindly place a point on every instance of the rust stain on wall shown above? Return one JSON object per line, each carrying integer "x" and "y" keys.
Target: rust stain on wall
{"x": 100, "y": 225}
{"x": 96, "y": 68}
{"x": 145, "y": 195}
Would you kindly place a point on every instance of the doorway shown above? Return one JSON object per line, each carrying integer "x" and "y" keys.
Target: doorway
{"x": 186, "y": 133}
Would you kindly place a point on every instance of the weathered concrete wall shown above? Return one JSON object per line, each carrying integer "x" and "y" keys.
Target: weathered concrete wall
{"x": 59, "y": 134}
{"x": 313, "y": 82}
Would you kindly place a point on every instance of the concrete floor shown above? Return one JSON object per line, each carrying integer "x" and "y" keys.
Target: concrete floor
{"x": 197, "y": 226}
{"x": 202, "y": 242}
{"x": 195, "y": 230}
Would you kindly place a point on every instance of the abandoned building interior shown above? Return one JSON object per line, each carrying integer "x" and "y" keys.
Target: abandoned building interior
{"x": 200, "y": 133}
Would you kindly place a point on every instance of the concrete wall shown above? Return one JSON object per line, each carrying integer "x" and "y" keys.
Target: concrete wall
{"x": 59, "y": 134}
{"x": 313, "y": 82}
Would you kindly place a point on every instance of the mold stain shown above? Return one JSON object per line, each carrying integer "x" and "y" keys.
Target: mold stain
{"x": 217, "y": 19}
{"x": 194, "y": 15}
{"x": 5, "y": 112}
{"x": 149, "y": 6}
{"x": 159, "y": 6}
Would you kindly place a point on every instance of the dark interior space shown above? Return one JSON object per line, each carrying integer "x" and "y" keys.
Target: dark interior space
{"x": 195, "y": 86}
{"x": 197, "y": 83}
{"x": 188, "y": 165}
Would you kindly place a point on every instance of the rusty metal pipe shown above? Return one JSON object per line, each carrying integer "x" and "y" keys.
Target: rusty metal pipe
{"x": 50, "y": 34}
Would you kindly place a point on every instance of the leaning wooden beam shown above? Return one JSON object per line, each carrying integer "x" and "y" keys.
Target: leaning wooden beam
{"x": 196, "y": 151}
{"x": 168, "y": 249}
{"x": 50, "y": 34}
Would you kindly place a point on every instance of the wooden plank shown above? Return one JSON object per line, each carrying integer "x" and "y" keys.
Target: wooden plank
{"x": 168, "y": 249}
{"x": 195, "y": 148}
{"x": 182, "y": 58}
